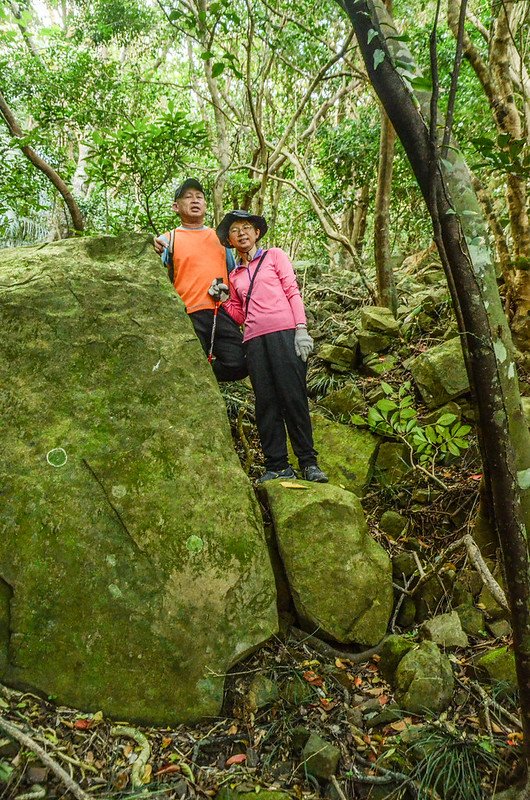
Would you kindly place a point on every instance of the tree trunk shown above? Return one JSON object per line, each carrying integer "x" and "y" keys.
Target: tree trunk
{"x": 462, "y": 243}
{"x": 499, "y": 89}
{"x": 38, "y": 162}
{"x": 386, "y": 290}
{"x": 360, "y": 216}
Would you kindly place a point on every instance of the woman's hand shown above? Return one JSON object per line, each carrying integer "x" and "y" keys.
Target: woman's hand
{"x": 219, "y": 290}
{"x": 303, "y": 343}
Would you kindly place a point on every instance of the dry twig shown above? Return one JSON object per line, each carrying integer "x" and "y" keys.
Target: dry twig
{"x": 14, "y": 732}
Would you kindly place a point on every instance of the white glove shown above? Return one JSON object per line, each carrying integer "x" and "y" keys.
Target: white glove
{"x": 303, "y": 343}
{"x": 219, "y": 290}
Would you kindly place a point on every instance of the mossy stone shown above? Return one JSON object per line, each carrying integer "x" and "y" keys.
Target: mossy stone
{"x": 393, "y": 650}
{"x": 320, "y": 758}
{"x": 379, "y": 319}
{"x": 344, "y": 402}
{"x": 393, "y": 463}
{"x": 393, "y": 523}
{"x": 424, "y": 680}
{"x": 338, "y": 356}
{"x": 5, "y": 624}
{"x": 445, "y": 630}
{"x": 471, "y": 619}
{"x": 340, "y": 578}
{"x": 498, "y": 666}
{"x": 131, "y": 537}
{"x": 346, "y": 454}
{"x": 372, "y": 342}
{"x": 440, "y": 373}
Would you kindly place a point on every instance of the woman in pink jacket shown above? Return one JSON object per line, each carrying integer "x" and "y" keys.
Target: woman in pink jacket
{"x": 264, "y": 296}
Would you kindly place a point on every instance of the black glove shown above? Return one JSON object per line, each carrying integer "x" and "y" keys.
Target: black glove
{"x": 219, "y": 290}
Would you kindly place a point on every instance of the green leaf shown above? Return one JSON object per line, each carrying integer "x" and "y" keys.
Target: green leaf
{"x": 386, "y": 404}
{"x": 5, "y": 771}
{"x": 446, "y": 419}
{"x": 207, "y": 55}
{"x": 217, "y": 68}
{"x": 374, "y": 416}
{"x": 453, "y": 448}
{"x": 372, "y": 33}
{"x": 430, "y": 433}
{"x": 461, "y": 443}
{"x": 379, "y": 57}
{"x": 356, "y": 419}
{"x": 421, "y": 84}
{"x": 387, "y": 389}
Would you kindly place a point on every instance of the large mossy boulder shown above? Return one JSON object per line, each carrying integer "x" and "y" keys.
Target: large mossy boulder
{"x": 133, "y": 565}
{"x": 440, "y": 373}
{"x": 340, "y": 578}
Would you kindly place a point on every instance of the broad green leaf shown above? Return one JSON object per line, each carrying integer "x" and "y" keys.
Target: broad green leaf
{"x": 386, "y": 404}
{"x": 372, "y": 33}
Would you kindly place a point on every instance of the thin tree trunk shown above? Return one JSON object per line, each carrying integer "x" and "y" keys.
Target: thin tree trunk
{"x": 38, "y": 162}
{"x": 360, "y": 217}
{"x": 386, "y": 289}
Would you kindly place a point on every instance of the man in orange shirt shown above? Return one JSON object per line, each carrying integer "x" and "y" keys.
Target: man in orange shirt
{"x": 198, "y": 259}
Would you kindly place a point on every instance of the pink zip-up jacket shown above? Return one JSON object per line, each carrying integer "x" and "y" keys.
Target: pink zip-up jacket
{"x": 275, "y": 302}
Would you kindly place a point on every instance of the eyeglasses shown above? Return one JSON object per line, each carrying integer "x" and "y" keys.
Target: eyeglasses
{"x": 243, "y": 229}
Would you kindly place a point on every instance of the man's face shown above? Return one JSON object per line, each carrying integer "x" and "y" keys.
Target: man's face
{"x": 191, "y": 207}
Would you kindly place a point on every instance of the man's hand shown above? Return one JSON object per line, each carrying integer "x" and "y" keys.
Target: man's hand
{"x": 160, "y": 243}
{"x": 219, "y": 290}
{"x": 303, "y": 343}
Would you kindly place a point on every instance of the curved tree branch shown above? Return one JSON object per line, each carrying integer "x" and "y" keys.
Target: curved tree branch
{"x": 39, "y": 163}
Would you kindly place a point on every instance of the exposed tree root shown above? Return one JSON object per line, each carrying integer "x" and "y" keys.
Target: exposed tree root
{"x": 14, "y": 732}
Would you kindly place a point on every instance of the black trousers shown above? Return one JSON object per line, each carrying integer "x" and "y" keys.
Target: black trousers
{"x": 230, "y": 362}
{"x": 278, "y": 377}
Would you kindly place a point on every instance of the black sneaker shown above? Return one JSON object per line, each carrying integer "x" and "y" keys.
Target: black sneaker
{"x": 271, "y": 474}
{"x": 315, "y": 474}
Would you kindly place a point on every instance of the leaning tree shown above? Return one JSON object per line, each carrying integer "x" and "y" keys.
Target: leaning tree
{"x": 461, "y": 237}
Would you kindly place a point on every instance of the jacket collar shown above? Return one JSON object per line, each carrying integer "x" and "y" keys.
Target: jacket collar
{"x": 256, "y": 255}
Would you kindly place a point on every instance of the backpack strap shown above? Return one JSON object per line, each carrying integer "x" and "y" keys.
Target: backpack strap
{"x": 251, "y": 284}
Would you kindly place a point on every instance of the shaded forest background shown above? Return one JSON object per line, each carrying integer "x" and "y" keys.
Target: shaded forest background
{"x": 268, "y": 103}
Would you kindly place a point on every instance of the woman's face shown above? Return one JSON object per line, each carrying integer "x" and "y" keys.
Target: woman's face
{"x": 243, "y": 236}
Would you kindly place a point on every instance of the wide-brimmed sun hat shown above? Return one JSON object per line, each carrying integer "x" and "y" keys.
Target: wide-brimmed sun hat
{"x": 234, "y": 216}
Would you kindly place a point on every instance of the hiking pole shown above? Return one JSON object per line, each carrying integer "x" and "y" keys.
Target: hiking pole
{"x": 216, "y": 309}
